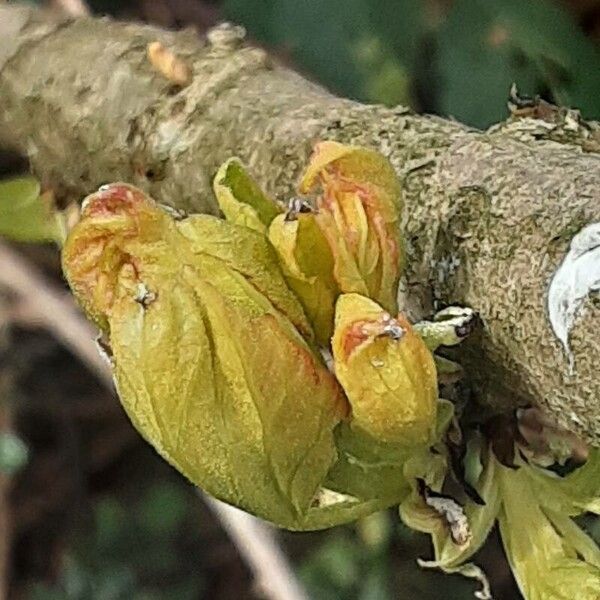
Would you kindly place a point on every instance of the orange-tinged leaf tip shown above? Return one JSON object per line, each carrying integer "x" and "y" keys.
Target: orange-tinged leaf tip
{"x": 324, "y": 154}
{"x": 361, "y": 331}
{"x": 114, "y": 199}
{"x": 353, "y": 336}
{"x": 96, "y": 253}
{"x": 310, "y": 369}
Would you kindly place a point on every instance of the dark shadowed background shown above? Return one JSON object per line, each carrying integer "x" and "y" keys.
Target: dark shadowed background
{"x": 93, "y": 512}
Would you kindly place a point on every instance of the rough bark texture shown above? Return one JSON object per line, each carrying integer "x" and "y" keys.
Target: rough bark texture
{"x": 488, "y": 216}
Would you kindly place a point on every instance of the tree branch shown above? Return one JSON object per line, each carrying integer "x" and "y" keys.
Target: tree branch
{"x": 488, "y": 216}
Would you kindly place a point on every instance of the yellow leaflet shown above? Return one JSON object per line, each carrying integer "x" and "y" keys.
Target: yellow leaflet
{"x": 241, "y": 199}
{"x": 307, "y": 265}
{"x": 386, "y": 371}
{"x": 551, "y": 557}
{"x": 358, "y": 212}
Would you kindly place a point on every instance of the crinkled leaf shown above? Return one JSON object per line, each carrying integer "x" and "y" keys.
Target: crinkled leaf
{"x": 250, "y": 254}
{"x": 307, "y": 265}
{"x": 358, "y": 212}
{"x": 241, "y": 199}
{"x": 209, "y": 370}
{"x": 481, "y": 518}
{"x": 26, "y": 215}
{"x": 552, "y": 559}
{"x": 449, "y": 555}
{"x": 573, "y": 494}
{"x": 386, "y": 371}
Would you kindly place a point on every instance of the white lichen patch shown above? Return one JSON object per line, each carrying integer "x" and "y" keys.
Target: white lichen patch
{"x": 445, "y": 267}
{"x": 576, "y": 278}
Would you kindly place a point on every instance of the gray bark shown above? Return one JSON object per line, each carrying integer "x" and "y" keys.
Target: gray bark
{"x": 488, "y": 216}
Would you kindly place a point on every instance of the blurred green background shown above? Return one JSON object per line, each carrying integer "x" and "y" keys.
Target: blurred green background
{"x": 454, "y": 58}
{"x": 96, "y": 514}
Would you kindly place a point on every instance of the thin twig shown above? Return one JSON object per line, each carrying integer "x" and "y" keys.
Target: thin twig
{"x": 257, "y": 543}
{"x": 55, "y": 311}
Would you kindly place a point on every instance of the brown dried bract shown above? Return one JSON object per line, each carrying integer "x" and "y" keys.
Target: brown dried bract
{"x": 450, "y": 511}
{"x": 522, "y": 106}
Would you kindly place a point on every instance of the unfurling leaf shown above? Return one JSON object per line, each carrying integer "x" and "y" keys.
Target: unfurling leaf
{"x": 307, "y": 265}
{"x": 358, "y": 212}
{"x": 208, "y": 363}
{"x": 551, "y": 557}
{"x": 457, "y": 531}
{"x": 387, "y": 372}
{"x": 26, "y": 215}
{"x": 449, "y": 511}
{"x": 573, "y": 494}
{"x": 240, "y": 198}
{"x": 450, "y": 551}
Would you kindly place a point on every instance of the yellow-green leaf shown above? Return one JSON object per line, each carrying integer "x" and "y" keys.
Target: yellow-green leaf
{"x": 358, "y": 212}
{"x": 575, "y": 493}
{"x": 481, "y": 519}
{"x": 240, "y": 198}
{"x": 551, "y": 558}
{"x": 26, "y": 215}
{"x": 307, "y": 265}
{"x": 212, "y": 373}
{"x": 249, "y": 253}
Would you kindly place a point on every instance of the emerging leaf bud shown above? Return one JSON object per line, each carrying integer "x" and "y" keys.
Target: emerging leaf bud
{"x": 240, "y": 198}
{"x": 208, "y": 358}
{"x": 358, "y": 212}
{"x": 307, "y": 265}
{"x": 386, "y": 371}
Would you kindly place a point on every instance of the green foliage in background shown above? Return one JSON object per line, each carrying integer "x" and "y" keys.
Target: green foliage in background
{"x": 375, "y": 560}
{"x": 342, "y": 43}
{"x": 13, "y": 453}
{"x": 457, "y": 62}
{"x": 484, "y": 46}
{"x": 133, "y": 550}
{"x": 28, "y": 215}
